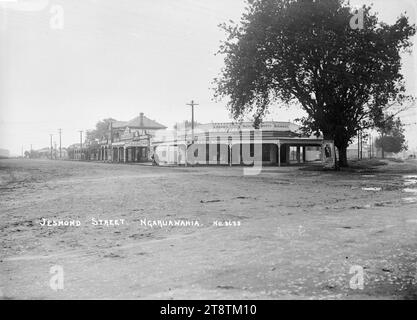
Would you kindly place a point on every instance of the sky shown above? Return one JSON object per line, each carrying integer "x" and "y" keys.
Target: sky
{"x": 70, "y": 63}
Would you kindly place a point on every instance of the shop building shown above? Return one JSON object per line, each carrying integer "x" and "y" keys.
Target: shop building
{"x": 273, "y": 144}
{"x": 125, "y": 141}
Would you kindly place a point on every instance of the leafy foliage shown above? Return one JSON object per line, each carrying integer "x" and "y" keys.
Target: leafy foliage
{"x": 392, "y": 137}
{"x": 305, "y": 51}
{"x": 101, "y": 130}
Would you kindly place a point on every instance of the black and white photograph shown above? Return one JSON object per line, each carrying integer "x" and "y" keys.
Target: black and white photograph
{"x": 208, "y": 150}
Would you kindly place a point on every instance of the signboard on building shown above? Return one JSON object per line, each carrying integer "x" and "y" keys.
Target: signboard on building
{"x": 329, "y": 154}
{"x": 140, "y": 143}
{"x": 274, "y": 126}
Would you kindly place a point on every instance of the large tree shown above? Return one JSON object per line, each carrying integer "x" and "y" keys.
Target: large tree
{"x": 307, "y": 52}
{"x": 392, "y": 137}
{"x": 101, "y": 130}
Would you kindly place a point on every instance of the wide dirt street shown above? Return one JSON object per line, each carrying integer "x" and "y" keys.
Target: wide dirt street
{"x": 291, "y": 233}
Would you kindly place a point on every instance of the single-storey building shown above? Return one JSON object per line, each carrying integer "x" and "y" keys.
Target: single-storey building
{"x": 274, "y": 144}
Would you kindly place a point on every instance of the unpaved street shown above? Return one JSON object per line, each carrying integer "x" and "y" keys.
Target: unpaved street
{"x": 292, "y": 233}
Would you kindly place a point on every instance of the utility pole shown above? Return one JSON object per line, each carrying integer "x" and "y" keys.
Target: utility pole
{"x": 192, "y": 104}
{"x": 359, "y": 145}
{"x": 50, "y": 135}
{"x": 60, "y": 132}
{"x": 81, "y": 144}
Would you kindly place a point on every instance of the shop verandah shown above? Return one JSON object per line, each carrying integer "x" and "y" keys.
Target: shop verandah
{"x": 279, "y": 153}
{"x": 290, "y": 151}
{"x": 269, "y": 153}
{"x": 111, "y": 153}
{"x": 122, "y": 153}
{"x": 299, "y": 151}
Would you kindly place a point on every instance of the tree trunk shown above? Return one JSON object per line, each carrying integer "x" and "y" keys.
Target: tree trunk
{"x": 343, "y": 157}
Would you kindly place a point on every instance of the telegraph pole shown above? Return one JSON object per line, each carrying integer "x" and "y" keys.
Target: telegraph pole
{"x": 60, "y": 132}
{"x": 81, "y": 144}
{"x": 192, "y": 104}
{"x": 50, "y": 135}
{"x": 359, "y": 145}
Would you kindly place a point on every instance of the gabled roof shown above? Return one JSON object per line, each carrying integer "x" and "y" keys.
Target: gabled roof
{"x": 136, "y": 123}
{"x": 147, "y": 123}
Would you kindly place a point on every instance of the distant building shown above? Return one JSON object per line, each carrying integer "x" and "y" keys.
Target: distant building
{"x": 44, "y": 153}
{"x": 4, "y": 153}
{"x": 353, "y": 152}
{"x": 47, "y": 153}
{"x": 125, "y": 141}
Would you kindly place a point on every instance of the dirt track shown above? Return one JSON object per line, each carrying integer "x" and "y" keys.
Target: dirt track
{"x": 300, "y": 232}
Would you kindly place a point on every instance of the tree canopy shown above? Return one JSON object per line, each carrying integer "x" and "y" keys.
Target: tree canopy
{"x": 101, "y": 130}
{"x": 392, "y": 137}
{"x": 306, "y": 51}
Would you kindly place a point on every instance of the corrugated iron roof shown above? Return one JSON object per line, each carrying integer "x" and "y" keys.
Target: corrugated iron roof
{"x": 147, "y": 123}
{"x": 138, "y": 123}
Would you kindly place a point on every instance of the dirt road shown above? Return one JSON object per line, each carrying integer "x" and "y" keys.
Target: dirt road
{"x": 206, "y": 232}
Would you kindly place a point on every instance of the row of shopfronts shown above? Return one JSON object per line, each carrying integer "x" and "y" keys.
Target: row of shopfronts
{"x": 110, "y": 153}
{"x": 125, "y": 141}
{"x": 143, "y": 140}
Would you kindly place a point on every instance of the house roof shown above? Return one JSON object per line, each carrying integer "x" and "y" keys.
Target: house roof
{"x": 147, "y": 123}
{"x": 136, "y": 123}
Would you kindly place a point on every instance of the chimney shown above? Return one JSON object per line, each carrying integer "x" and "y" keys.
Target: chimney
{"x": 141, "y": 119}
